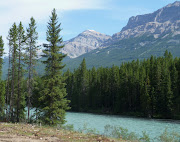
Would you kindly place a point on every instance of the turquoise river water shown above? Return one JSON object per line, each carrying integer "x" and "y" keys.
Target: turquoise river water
{"x": 152, "y": 127}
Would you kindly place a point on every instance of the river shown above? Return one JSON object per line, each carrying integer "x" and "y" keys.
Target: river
{"x": 154, "y": 128}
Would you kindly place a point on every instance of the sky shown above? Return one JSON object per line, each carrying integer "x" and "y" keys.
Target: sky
{"x": 75, "y": 16}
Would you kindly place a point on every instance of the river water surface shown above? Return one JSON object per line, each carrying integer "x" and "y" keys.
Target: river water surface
{"x": 153, "y": 128}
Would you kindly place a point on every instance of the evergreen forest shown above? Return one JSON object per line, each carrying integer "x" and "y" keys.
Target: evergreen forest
{"x": 145, "y": 88}
{"x": 19, "y": 89}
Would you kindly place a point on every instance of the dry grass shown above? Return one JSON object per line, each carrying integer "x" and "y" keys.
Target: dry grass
{"x": 31, "y": 133}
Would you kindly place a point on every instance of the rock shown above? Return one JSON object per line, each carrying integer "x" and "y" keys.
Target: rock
{"x": 84, "y": 43}
{"x": 99, "y": 139}
{"x": 162, "y": 21}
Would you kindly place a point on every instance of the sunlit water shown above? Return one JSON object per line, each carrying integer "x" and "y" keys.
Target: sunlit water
{"x": 153, "y": 128}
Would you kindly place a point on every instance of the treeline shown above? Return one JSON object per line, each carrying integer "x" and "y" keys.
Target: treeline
{"x": 18, "y": 91}
{"x": 149, "y": 88}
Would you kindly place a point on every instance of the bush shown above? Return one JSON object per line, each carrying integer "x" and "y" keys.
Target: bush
{"x": 169, "y": 136}
{"x": 119, "y": 132}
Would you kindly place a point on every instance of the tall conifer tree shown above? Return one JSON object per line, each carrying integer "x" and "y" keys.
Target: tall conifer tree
{"x": 2, "y": 87}
{"x": 31, "y": 51}
{"x": 13, "y": 45}
{"x": 20, "y": 99}
{"x": 54, "y": 92}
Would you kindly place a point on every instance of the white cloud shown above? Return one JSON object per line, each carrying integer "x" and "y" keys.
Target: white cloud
{"x": 21, "y": 10}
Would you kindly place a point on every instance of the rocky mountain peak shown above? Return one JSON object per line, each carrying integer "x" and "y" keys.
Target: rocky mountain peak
{"x": 93, "y": 33}
{"x": 176, "y": 3}
{"x": 84, "y": 43}
{"x": 162, "y": 21}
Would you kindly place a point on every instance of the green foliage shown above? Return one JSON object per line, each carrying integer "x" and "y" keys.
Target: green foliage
{"x": 1, "y": 54}
{"x": 87, "y": 130}
{"x": 2, "y": 99}
{"x": 169, "y": 136}
{"x": 127, "y": 50}
{"x": 69, "y": 127}
{"x": 54, "y": 93}
{"x": 15, "y": 92}
{"x": 12, "y": 71}
{"x": 2, "y": 85}
{"x": 145, "y": 137}
{"x": 119, "y": 132}
{"x": 146, "y": 88}
{"x": 20, "y": 97}
{"x": 31, "y": 58}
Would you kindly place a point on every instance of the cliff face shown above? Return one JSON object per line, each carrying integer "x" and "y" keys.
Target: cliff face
{"x": 162, "y": 21}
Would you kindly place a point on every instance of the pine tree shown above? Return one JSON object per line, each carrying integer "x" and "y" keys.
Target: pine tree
{"x": 31, "y": 51}
{"x": 2, "y": 86}
{"x": 145, "y": 97}
{"x": 13, "y": 39}
{"x": 54, "y": 91}
{"x": 20, "y": 100}
{"x": 68, "y": 76}
{"x": 8, "y": 85}
{"x": 83, "y": 83}
{"x": 174, "y": 86}
{"x": 1, "y": 54}
{"x": 93, "y": 91}
{"x": 114, "y": 84}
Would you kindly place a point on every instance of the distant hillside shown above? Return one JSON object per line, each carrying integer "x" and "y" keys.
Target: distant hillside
{"x": 143, "y": 36}
{"x": 129, "y": 49}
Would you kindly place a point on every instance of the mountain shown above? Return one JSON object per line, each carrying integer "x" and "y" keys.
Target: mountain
{"x": 163, "y": 21}
{"x": 127, "y": 50}
{"x": 143, "y": 36}
{"x": 84, "y": 43}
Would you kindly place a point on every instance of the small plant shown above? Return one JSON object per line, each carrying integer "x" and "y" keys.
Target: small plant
{"x": 87, "y": 130}
{"x": 119, "y": 132}
{"x": 169, "y": 136}
{"x": 145, "y": 137}
{"x": 69, "y": 127}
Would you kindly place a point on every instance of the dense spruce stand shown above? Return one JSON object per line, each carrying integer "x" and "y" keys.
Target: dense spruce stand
{"x": 146, "y": 88}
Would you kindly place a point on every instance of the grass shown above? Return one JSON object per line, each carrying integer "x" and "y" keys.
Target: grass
{"x": 28, "y": 132}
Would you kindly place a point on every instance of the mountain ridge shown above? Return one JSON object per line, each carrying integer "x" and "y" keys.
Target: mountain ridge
{"x": 164, "y": 20}
{"x": 84, "y": 43}
{"x": 151, "y": 38}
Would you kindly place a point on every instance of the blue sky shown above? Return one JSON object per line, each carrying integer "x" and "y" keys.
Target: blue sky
{"x": 76, "y": 16}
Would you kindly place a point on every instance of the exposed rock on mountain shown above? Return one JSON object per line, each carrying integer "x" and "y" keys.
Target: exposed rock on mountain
{"x": 162, "y": 21}
{"x": 84, "y": 43}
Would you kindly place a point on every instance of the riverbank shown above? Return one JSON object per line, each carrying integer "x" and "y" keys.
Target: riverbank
{"x": 32, "y": 133}
{"x": 126, "y": 127}
{"x": 128, "y": 114}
